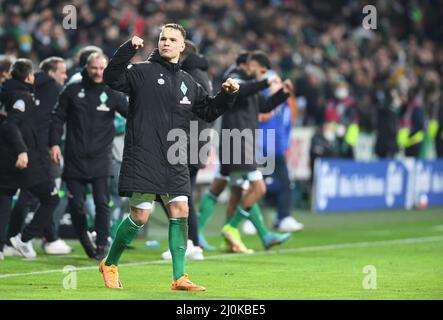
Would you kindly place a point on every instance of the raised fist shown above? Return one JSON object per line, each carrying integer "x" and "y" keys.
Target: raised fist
{"x": 137, "y": 42}
{"x": 230, "y": 86}
{"x": 274, "y": 80}
{"x": 288, "y": 87}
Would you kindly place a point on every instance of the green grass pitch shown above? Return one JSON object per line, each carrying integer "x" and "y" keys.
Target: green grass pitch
{"x": 326, "y": 260}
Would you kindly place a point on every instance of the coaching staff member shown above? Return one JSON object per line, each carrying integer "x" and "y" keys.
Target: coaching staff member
{"x": 24, "y": 161}
{"x": 88, "y": 107}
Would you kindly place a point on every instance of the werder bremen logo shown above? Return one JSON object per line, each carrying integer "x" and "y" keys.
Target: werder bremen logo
{"x": 183, "y": 88}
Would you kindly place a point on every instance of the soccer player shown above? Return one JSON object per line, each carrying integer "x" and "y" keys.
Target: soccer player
{"x": 245, "y": 116}
{"x": 162, "y": 98}
{"x": 197, "y": 66}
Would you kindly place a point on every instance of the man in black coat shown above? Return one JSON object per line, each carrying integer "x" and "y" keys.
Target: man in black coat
{"x": 24, "y": 162}
{"x": 48, "y": 83}
{"x": 88, "y": 107}
{"x": 163, "y": 100}
{"x": 388, "y": 124}
{"x": 197, "y": 66}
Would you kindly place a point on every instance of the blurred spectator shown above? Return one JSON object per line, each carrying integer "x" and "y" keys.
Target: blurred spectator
{"x": 342, "y": 112}
{"x": 316, "y": 44}
{"x": 386, "y": 145}
{"x": 412, "y": 125}
{"x": 322, "y": 145}
{"x": 5, "y": 67}
{"x": 439, "y": 134}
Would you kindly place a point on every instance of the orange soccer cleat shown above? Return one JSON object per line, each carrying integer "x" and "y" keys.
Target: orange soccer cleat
{"x": 183, "y": 283}
{"x": 110, "y": 275}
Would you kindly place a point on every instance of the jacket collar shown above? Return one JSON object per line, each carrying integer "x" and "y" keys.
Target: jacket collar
{"x": 15, "y": 85}
{"x": 156, "y": 57}
{"x": 87, "y": 81}
{"x": 195, "y": 61}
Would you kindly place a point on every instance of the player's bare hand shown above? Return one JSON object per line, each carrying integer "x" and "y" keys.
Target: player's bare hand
{"x": 263, "y": 117}
{"x": 288, "y": 87}
{"x": 230, "y": 86}
{"x": 56, "y": 154}
{"x": 22, "y": 161}
{"x": 274, "y": 80}
{"x": 137, "y": 42}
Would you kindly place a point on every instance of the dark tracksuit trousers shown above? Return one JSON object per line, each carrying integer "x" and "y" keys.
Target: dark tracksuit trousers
{"x": 283, "y": 195}
{"x": 192, "y": 218}
{"x": 48, "y": 198}
{"x": 101, "y": 195}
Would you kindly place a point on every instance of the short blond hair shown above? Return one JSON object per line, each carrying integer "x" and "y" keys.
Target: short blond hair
{"x": 175, "y": 26}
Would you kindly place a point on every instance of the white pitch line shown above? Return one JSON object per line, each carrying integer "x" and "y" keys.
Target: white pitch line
{"x": 230, "y": 255}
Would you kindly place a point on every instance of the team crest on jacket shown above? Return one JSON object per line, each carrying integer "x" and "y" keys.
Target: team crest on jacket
{"x": 183, "y": 88}
{"x": 19, "y": 105}
{"x": 103, "y": 99}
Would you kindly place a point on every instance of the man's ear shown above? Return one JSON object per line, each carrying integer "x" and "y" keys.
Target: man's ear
{"x": 28, "y": 78}
{"x": 183, "y": 47}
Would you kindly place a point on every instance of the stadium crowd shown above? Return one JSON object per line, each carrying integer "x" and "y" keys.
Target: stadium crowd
{"x": 347, "y": 79}
{"x": 316, "y": 43}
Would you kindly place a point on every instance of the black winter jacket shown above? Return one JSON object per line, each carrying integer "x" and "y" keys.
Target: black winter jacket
{"x": 88, "y": 109}
{"x": 19, "y": 133}
{"x": 197, "y": 66}
{"x": 244, "y": 115}
{"x": 162, "y": 98}
{"x": 46, "y": 94}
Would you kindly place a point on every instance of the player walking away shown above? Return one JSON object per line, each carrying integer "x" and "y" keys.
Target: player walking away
{"x": 88, "y": 106}
{"x": 162, "y": 98}
{"x": 24, "y": 161}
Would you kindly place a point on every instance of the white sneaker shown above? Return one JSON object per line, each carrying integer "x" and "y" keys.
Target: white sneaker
{"x": 192, "y": 252}
{"x": 2, "y": 256}
{"x": 10, "y": 252}
{"x": 167, "y": 255}
{"x": 25, "y": 248}
{"x": 57, "y": 247}
{"x": 248, "y": 228}
{"x": 289, "y": 224}
{"x": 196, "y": 253}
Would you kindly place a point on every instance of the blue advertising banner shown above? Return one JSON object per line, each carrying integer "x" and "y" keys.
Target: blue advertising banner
{"x": 428, "y": 178}
{"x": 348, "y": 185}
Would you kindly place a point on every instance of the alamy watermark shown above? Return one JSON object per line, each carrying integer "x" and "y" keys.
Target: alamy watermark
{"x": 237, "y": 147}
{"x": 370, "y": 280}
{"x": 370, "y": 20}
{"x": 70, "y": 280}
{"x": 70, "y": 19}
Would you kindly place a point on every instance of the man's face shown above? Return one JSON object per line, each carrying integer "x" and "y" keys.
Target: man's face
{"x": 170, "y": 44}
{"x": 255, "y": 70}
{"x": 95, "y": 68}
{"x": 59, "y": 74}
